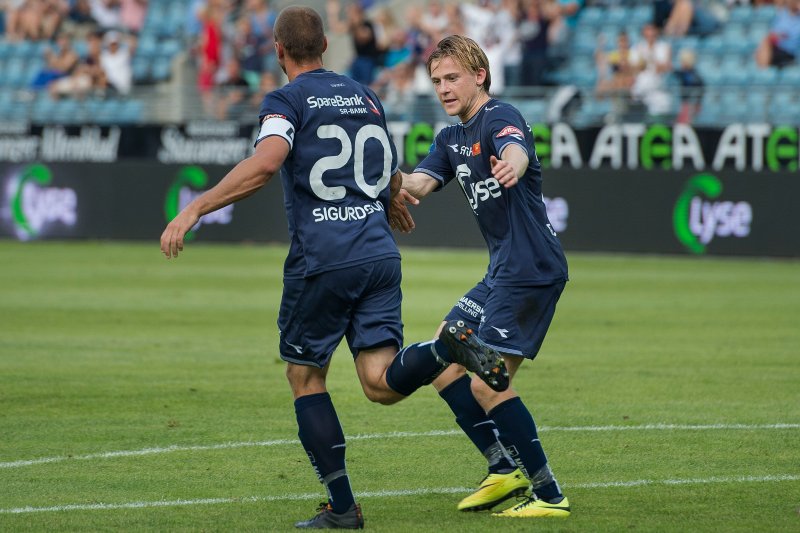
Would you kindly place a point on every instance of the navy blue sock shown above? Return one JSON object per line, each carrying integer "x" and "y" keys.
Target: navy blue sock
{"x": 480, "y": 429}
{"x": 323, "y": 439}
{"x": 416, "y": 365}
{"x": 518, "y": 430}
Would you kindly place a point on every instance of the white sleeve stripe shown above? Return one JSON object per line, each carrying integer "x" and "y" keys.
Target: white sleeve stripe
{"x": 277, "y": 126}
{"x": 518, "y": 144}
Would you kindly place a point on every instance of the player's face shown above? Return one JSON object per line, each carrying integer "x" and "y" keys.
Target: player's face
{"x": 458, "y": 89}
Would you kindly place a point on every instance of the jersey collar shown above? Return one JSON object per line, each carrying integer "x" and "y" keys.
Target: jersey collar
{"x": 469, "y": 123}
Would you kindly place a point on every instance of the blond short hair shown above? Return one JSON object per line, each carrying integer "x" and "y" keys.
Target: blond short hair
{"x": 465, "y": 52}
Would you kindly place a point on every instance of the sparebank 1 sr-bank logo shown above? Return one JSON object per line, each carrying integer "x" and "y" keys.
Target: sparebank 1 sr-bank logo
{"x": 698, "y": 219}
{"x": 34, "y": 207}
{"x": 188, "y": 185}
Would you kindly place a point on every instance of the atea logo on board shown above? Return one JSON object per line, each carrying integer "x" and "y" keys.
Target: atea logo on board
{"x": 34, "y": 206}
{"x": 187, "y": 186}
{"x": 698, "y": 219}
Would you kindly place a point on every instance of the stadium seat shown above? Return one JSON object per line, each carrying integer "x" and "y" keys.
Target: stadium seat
{"x": 756, "y": 104}
{"x": 763, "y": 77}
{"x": 148, "y": 46}
{"x": 141, "y": 69}
{"x": 15, "y": 73}
{"x": 169, "y": 48}
{"x": 67, "y": 111}
{"x": 790, "y": 76}
{"x": 592, "y": 16}
{"x": 131, "y": 112}
{"x": 43, "y": 110}
{"x": 741, "y": 14}
{"x": 533, "y": 110}
{"x": 764, "y": 13}
{"x": 161, "y": 69}
{"x": 19, "y": 111}
{"x": 616, "y": 16}
{"x": 640, "y": 15}
{"x": 585, "y": 41}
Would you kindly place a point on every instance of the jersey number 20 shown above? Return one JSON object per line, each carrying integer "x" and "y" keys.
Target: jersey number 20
{"x": 333, "y": 162}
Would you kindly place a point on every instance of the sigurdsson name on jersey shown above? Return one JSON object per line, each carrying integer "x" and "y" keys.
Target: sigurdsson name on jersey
{"x": 335, "y": 101}
{"x": 347, "y": 213}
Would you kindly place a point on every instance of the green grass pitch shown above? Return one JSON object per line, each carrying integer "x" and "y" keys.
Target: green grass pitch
{"x": 143, "y": 394}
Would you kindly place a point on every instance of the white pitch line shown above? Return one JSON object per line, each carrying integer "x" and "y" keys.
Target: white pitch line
{"x": 390, "y": 435}
{"x": 385, "y": 494}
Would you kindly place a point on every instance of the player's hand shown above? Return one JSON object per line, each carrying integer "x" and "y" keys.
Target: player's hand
{"x": 172, "y": 238}
{"x": 504, "y": 172}
{"x": 399, "y": 217}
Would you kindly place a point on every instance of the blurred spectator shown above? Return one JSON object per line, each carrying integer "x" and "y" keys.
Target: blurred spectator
{"x": 385, "y": 25}
{"x": 782, "y": 44}
{"x": 569, "y": 12}
{"x": 80, "y": 13}
{"x": 691, "y": 87}
{"x": 535, "y": 37}
{"x": 455, "y": 20}
{"x": 653, "y": 59}
{"x": 34, "y": 19}
{"x": 615, "y": 71}
{"x": 59, "y": 62}
{"x": 493, "y": 28}
{"x": 106, "y": 13}
{"x": 435, "y": 20}
{"x": 87, "y": 75}
{"x": 677, "y": 18}
{"x": 514, "y": 13}
{"x": 365, "y": 44}
{"x": 396, "y": 89}
{"x": 209, "y": 48}
{"x": 132, "y": 14}
{"x": 267, "y": 84}
{"x": 250, "y": 50}
{"x": 231, "y": 91}
{"x": 477, "y": 23}
{"x": 115, "y": 59}
{"x": 400, "y": 49}
{"x": 262, "y": 20}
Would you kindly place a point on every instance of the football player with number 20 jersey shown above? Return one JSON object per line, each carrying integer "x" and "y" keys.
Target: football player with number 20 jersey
{"x": 328, "y": 136}
{"x": 491, "y": 155}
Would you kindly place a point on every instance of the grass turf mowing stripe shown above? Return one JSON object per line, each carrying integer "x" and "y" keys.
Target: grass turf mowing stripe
{"x": 386, "y": 493}
{"x": 394, "y": 434}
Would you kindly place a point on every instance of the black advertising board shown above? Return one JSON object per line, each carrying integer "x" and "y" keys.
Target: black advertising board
{"x": 623, "y": 187}
{"x": 683, "y": 212}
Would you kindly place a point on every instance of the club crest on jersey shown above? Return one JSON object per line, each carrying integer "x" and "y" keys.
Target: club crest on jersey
{"x": 513, "y": 131}
{"x": 373, "y": 107}
{"x": 476, "y": 149}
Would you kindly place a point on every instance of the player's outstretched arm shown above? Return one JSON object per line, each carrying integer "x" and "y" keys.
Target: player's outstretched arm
{"x": 243, "y": 180}
{"x": 414, "y": 186}
{"x": 511, "y": 166}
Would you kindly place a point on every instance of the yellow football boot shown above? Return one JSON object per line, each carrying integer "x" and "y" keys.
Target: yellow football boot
{"x": 532, "y": 508}
{"x": 494, "y": 489}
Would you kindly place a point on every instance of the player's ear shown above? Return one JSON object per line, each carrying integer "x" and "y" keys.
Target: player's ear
{"x": 280, "y": 51}
{"x": 480, "y": 76}
{"x": 324, "y": 44}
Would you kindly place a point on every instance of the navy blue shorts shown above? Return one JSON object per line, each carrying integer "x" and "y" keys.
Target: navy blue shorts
{"x": 512, "y": 320}
{"x": 361, "y": 303}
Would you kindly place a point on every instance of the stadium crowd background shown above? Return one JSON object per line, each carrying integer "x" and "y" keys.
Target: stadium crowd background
{"x": 154, "y": 61}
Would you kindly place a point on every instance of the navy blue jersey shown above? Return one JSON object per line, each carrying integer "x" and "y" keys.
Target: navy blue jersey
{"x": 523, "y": 248}
{"x": 336, "y": 176}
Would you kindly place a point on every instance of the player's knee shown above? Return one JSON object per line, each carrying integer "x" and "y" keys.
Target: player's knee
{"x": 451, "y": 374}
{"x": 381, "y": 396}
{"x": 482, "y": 392}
